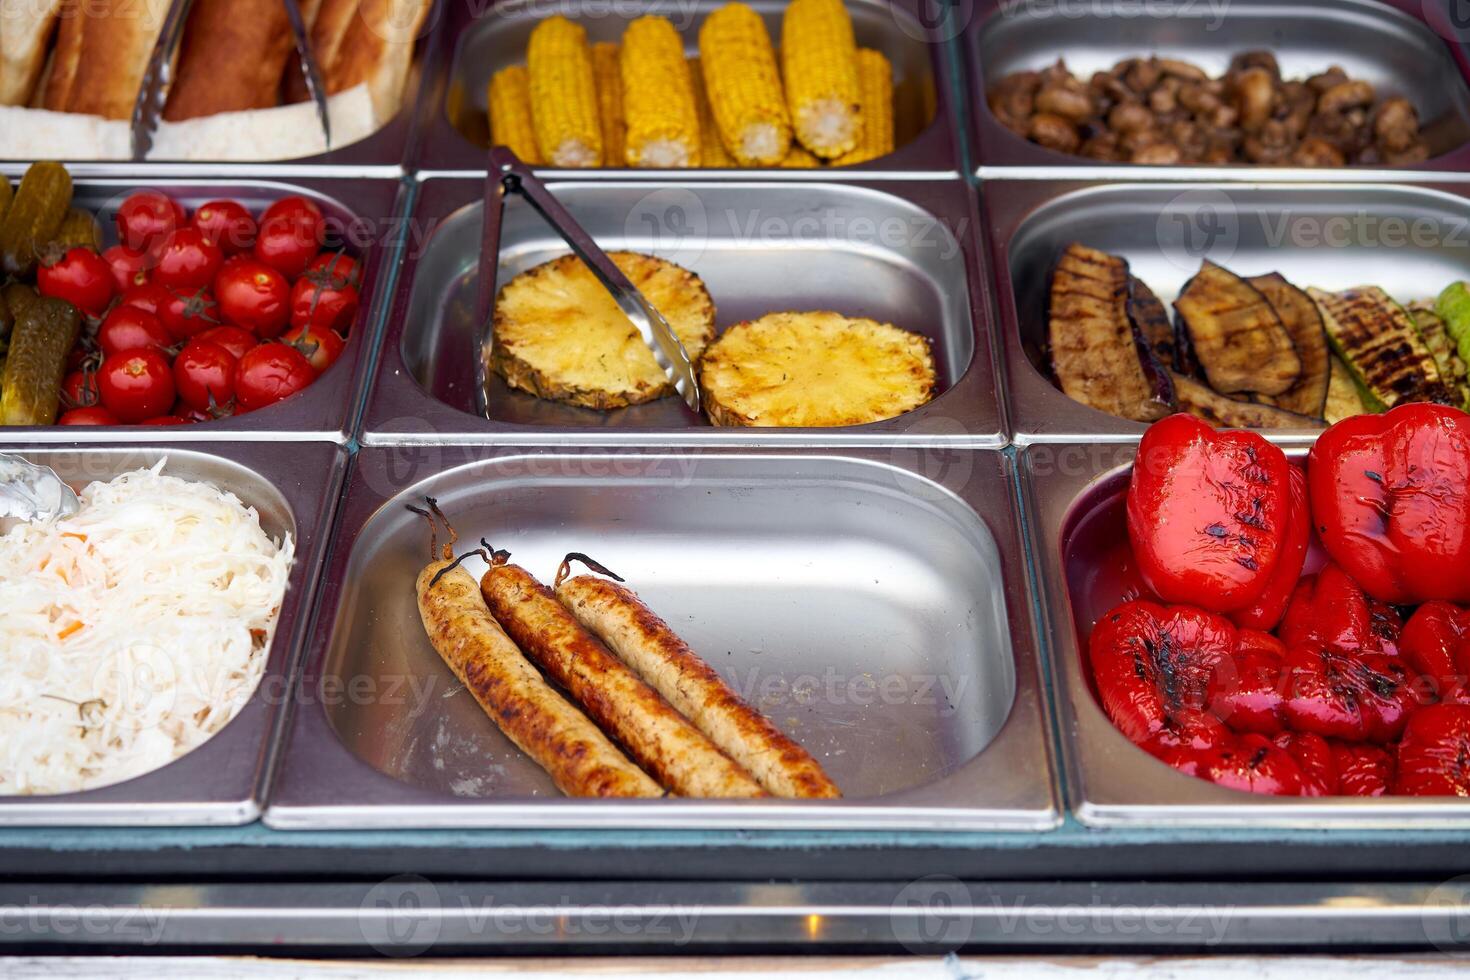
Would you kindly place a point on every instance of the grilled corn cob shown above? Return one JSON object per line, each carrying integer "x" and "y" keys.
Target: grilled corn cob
{"x": 712, "y": 152}
{"x": 819, "y": 61}
{"x": 510, "y": 113}
{"x": 658, "y": 96}
{"x": 875, "y": 95}
{"x": 744, "y": 85}
{"x": 563, "y": 103}
{"x": 800, "y": 158}
{"x": 609, "y": 81}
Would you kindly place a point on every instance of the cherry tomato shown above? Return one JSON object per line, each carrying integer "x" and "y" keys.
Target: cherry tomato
{"x": 236, "y": 340}
{"x": 129, "y": 268}
{"x": 343, "y": 268}
{"x": 254, "y": 296}
{"x": 148, "y": 296}
{"x": 137, "y": 384}
{"x": 79, "y": 389}
{"x": 87, "y": 416}
{"x": 145, "y": 220}
{"x": 270, "y": 373}
{"x": 81, "y": 278}
{"x": 188, "y": 260}
{"x": 204, "y": 375}
{"x": 317, "y": 302}
{"x": 165, "y": 420}
{"x": 189, "y": 313}
{"x": 290, "y": 236}
{"x": 227, "y": 224}
{"x": 321, "y": 347}
{"x": 127, "y": 327}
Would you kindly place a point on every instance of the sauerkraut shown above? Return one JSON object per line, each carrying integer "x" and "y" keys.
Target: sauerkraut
{"x": 131, "y": 632}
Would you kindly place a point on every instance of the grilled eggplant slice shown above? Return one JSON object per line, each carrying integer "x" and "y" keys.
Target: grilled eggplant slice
{"x": 1094, "y": 352}
{"x": 1378, "y": 341}
{"x": 1201, "y": 400}
{"x": 1343, "y": 398}
{"x": 1240, "y": 341}
{"x": 1304, "y": 325}
{"x": 1151, "y": 319}
{"x": 1436, "y": 336}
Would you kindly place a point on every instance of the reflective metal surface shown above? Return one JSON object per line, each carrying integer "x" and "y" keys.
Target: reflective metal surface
{"x": 483, "y": 38}
{"x": 1404, "y": 47}
{"x": 1412, "y": 240}
{"x": 877, "y": 616}
{"x": 294, "y": 488}
{"x": 361, "y": 213}
{"x": 1074, "y": 499}
{"x": 896, "y": 252}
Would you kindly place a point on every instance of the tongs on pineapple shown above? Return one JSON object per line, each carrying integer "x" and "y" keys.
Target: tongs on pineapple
{"x": 508, "y": 175}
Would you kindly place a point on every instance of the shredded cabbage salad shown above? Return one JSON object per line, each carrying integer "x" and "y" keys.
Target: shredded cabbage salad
{"x": 131, "y": 632}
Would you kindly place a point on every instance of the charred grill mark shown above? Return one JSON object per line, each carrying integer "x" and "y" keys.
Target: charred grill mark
{"x": 1253, "y": 517}
{"x": 1259, "y": 757}
{"x": 1375, "y": 477}
{"x": 1247, "y": 562}
{"x": 1216, "y": 530}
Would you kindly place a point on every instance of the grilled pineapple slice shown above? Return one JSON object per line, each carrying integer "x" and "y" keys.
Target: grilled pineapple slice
{"x": 814, "y": 369}
{"x": 559, "y": 335}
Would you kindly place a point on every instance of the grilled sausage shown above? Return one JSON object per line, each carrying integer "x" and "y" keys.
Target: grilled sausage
{"x": 656, "y": 735}
{"x": 645, "y": 642}
{"x": 579, "y": 757}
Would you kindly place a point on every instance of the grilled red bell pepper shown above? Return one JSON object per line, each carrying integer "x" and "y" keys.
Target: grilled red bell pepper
{"x": 1245, "y": 691}
{"x": 1151, "y": 662}
{"x": 1267, "y": 610}
{"x": 1391, "y": 501}
{"x": 1208, "y": 513}
{"x": 1357, "y": 697}
{"x": 1329, "y": 609}
{"x": 1362, "y": 770}
{"x": 1434, "y": 756}
{"x": 1436, "y": 642}
{"x": 1313, "y": 756}
{"x": 1252, "y": 763}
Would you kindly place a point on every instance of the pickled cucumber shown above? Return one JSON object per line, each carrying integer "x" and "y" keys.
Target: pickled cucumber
{"x": 79, "y": 228}
{"x": 44, "y": 332}
{"x": 34, "y": 217}
{"x": 5, "y": 194}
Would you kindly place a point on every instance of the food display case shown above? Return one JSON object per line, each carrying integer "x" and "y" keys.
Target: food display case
{"x": 908, "y": 598}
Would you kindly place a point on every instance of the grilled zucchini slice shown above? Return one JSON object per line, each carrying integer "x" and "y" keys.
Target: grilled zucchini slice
{"x": 1095, "y": 353}
{"x": 814, "y": 369}
{"x": 1378, "y": 341}
{"x": 559, "y": 335}
{"x": 1436, "y": 336}
{"x": 1453, "y": 307}
{"x": 1303, "y": 324}
{"x": 1236, "y": 334}
{"x": 1201, "y": 400}
{"x": 1344, "y": 400}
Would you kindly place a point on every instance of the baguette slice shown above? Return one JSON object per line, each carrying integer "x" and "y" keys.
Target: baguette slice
{"x": 231, "y": 58}
{"x": 559, "y": 335}
{"x": 25, "y": 33}
{"x": 102, "y": 50}
{"x": 817, "y": 369}
{"x": 377, "y": 48}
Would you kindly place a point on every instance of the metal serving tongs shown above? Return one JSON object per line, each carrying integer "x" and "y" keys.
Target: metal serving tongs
{"x": 159, "y": 74}
{"x": 32, "y": 492}
{"x": 508, "y": 175}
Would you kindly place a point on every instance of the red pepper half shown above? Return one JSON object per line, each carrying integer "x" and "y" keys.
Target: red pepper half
{"x": 1267, "y": 610}
{"x": 1252, "y": 763}
{"x": 1329, "y": 609}
{"x": 1362, "y": 770}
{"x": 1245, "y": 691}
{"x": 1391, "y": 501}
{"x": 1208, "y": 513}
{"x": 1152, "y": 662}
{"x": 1436, "y": 642}
{"x": 1313, "y": 756}
{"x": 1434, "y": 757}
{"x": 1356, "y": 697}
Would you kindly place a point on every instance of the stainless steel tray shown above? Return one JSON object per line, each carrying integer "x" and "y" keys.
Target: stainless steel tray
{"x": 294, "y": 488}
{"x": 364, "y": 214}
{"x": 385, "y": 153}
{"x": 1409, "y": 47}
{"x": 1074, "y": 495}
{"x": 1410, "y": 239}
{"x": 482, "y": 38}
{"x": 873, "y": 604}
{"x": 897, "y": 252}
